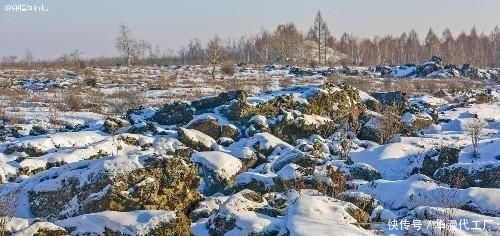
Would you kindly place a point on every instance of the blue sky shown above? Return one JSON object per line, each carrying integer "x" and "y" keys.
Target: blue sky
{"x": 91, "y": 25}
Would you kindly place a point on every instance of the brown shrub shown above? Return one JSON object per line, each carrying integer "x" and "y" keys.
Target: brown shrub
{"x": 72, "y": 100}
{"x": 286, "y": 82}
{"x": 228, "y": 69}
{"x": 125, "y": 99}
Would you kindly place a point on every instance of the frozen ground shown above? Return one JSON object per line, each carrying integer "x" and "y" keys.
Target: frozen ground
{"x": 252, "y": 182}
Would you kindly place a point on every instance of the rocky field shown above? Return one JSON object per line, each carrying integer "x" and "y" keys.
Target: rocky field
{"x": 293, "y": 154}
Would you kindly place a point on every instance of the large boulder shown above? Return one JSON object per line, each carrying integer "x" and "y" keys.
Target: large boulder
{"x": 438, "y": 158}
{"x": 174, "y": 113}
{"x": 236, "y": 213}
{"x": 360, "y": 171}
{"x": 195, "y": 139}
{"x": 112, "y": 184}
{"x": 230, "y": 131}
{"x": 151, "y": 223}
{"x": 208, "y": 125}
{"x": 364, "y": 201}
{"x": 397, "y": 98}
{"x": 206, "y": 104}
{"x": 329, "y": 100}
{"x": 112, "y": 124}
{"x": 293, "y": 125}
{"x": 415, "y": 122}
{"x": 217, "y": 169}
{"x": 465, "y": 175}
{"x": 335, "y": 102}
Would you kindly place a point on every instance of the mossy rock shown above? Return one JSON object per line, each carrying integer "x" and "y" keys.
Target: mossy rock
{"x": 484, "y": 176}
{"x": 180, "y": 226}
{"x": 175, "y": 187}
{"x": 230, "y": 131}
{"x": 363, "y": 201}
{"x": 185, "y": 138}
{"x": 272, "y": 107}
{"x": 206, "y": 104}
{"x": 296, "y": 127}
{"x": 129, "y": 140}
{"x": 210, "y": 127}
{"x": 37, "y": 130}
{"x": 254, "y": 185}
{"x": 173, "y": 114}
{"x": 142, "y": 128}
{"x": 50, "y": 232}
{"x": 112, "y": 124}
{"x": 364, "y": 172}
{"x": 446, "y": 156}
{"x": 30, "y": 151}
{"x": 359, "y": 215}
{"x": 236, "y": 110}
{"x": 336, "y": 102}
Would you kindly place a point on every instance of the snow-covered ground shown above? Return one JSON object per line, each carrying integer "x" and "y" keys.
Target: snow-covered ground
{"x": 96, "y": 174}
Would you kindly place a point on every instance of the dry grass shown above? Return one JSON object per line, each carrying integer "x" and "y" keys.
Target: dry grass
{"x": 228, "y": 69}
{"x": 166, "y": 82}
{"x": 95, "y": 101}
{"x": 15, "y": 96}
{"x": 15, "y": 118}
{"x": 72, "y": 100}
{"x": 286, "y": 82}
{"x": 124, "y": 99}
{"x": 3, "y": 113}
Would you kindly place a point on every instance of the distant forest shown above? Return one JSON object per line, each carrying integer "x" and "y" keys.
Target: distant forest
{"x": 288, "y": 45}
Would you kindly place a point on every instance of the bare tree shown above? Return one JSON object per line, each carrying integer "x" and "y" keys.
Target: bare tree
{"x": 8, "y": 205}
{"x": 494, "y": 36}
{"x": 475, "y": 128}
{"x": 215, "y": 53}
{"x": 28, "y": 58}
{"x": 76, "y": 61}
{"x": 195, "y": 52}
{"x": 126, "y": 45}
{"x": 264, "y": 46}
{"x": 432, "y": 43}
{"x": 287, "y": 40}
{"x": 131, "y": 49}
{"x": 320, "y": 33}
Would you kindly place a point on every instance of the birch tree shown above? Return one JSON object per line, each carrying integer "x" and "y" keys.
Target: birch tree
{"x": 216, "y": 53}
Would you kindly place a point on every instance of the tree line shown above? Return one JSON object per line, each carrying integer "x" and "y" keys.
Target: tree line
{"x": 286, "y": 44}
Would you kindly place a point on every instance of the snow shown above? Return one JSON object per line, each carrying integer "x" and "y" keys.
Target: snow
{"x": 139, "y": 222}
{"x": 165, "y": 145}
{"x": 208, "y": 116}
{"x": 143, "y": 115}
{"x": 365, "y": 96}
{"x": 319, "y": 215}
{"x": 427, "y": 100}
{"x": 489, "y": 151}
{"x": 225, "y": 165}
{"x": 36, "y": 227}
{"x": 400, "y": 193}
{"x": 198, "y": 137}
{"x": 486, "y": 225}
{"x": 243, "y": 149}
{"x": 391, "y": 160}
{"x": 314, "y": 120}
{"x": 420, "y": 190}
{"x": 403, "y": 71}
{"x": 248, "y": 177}
{"x": 289, "y": 172}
